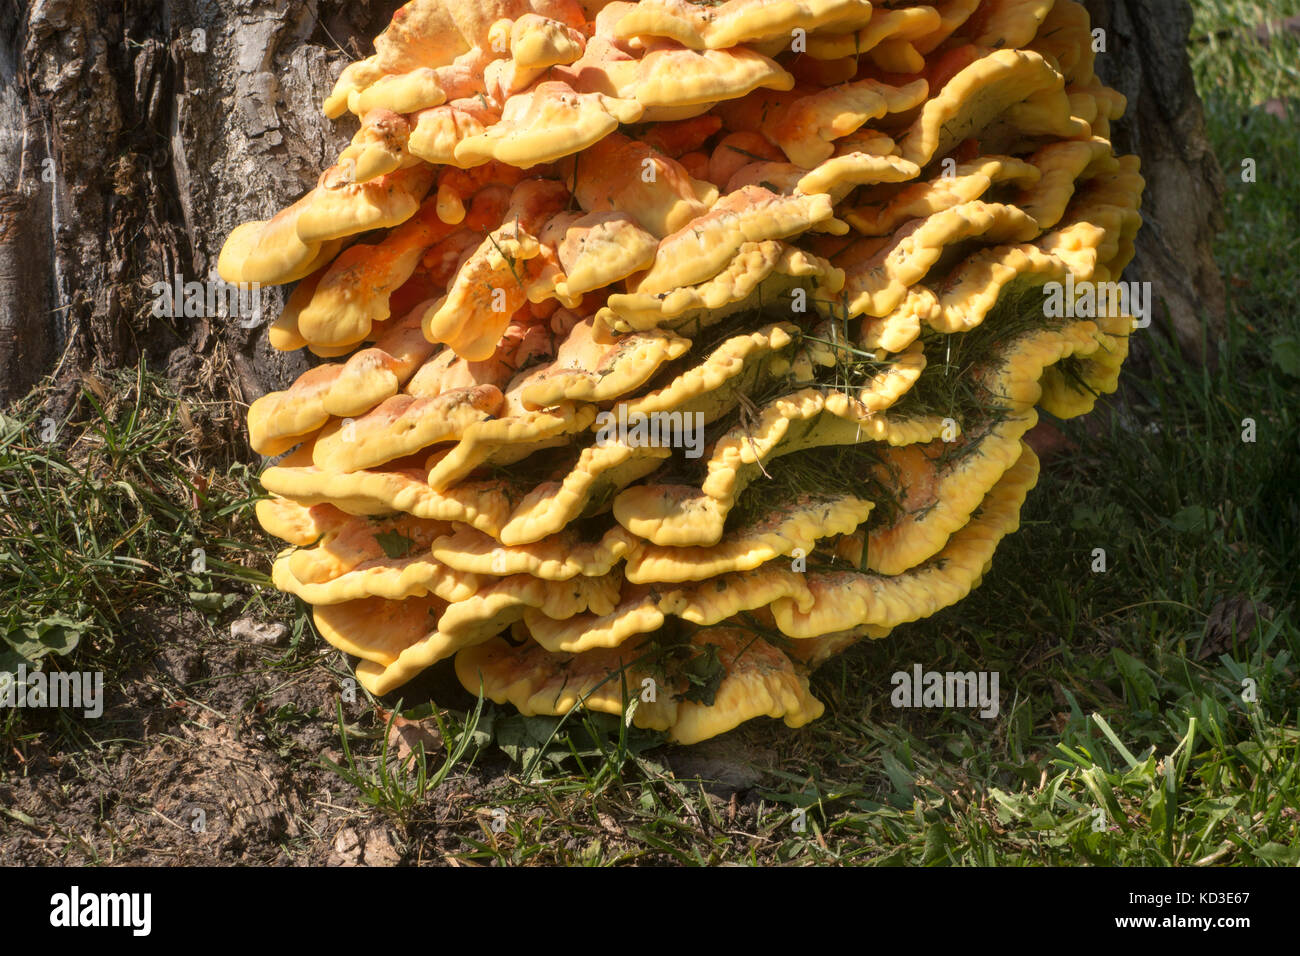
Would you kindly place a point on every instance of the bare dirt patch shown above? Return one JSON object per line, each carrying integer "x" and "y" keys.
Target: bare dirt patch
{"x": 207, "y": 752}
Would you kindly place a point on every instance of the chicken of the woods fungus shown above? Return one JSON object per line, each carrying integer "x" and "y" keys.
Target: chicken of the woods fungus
{"x": 670, "y": 347}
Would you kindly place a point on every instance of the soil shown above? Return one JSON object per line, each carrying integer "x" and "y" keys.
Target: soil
{"x": 209, "y": 752}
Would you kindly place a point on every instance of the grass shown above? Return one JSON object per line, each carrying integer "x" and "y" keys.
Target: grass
{"x": 121, "y": 517}
{"x": 398, "y": 784}
{"x": 1148, "y": 710}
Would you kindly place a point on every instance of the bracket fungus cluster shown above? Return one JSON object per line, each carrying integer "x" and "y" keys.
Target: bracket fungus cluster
{"x": 796, "y": 250}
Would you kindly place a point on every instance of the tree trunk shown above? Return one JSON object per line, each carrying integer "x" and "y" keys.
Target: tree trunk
{"x": 135, "y": 134}
{"x": 1146, "y": 60}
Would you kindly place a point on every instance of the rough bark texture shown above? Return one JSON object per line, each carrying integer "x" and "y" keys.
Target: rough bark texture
{"x": 1146, "y": 60}
{"x": 130, "y": 145}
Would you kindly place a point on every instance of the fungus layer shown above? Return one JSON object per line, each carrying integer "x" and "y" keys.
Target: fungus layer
{"x": 673, "y": 347}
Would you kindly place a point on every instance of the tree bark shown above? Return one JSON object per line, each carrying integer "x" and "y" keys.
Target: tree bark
{"x": 130, "y": 145}
{"x": 1146, "y": 60}
{"x": 134, "y": 136}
